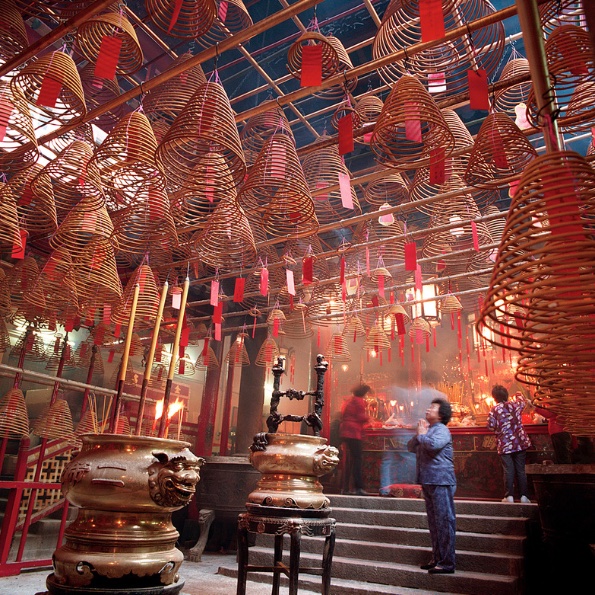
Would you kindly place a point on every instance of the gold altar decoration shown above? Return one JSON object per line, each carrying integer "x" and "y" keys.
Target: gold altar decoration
{"x": 37, "y": 215}
{"x": 60, "y": 69}
{"x": 540, "y": 301}
{"x": 193, "y": 20}
{"x": 18, "y": 148}
{"x": 9, "y": 223}
{"x": 501, "y": 150}
{"x": 226, "y": 241}
{"x": 337, "y": 350}
{"x": 237, "y": 354}
{"x": 99, "y": 90}
{"x": 113, "y": 23}
{"x": 259, "y": 128}
{"x": 277, "y": 192}
{"x": 14, "y": 418}
{"x": 409, "y": 101}
{"x": 448, "y": 62}
{"x": 13, "y": 34}
{"x": 322, "y": 168}
{"x": 165, "y": 102}
{"x": 267, "y": 354}
{"x": 126, "y": 160}
{"x": 148, "y": 299}
{"x": 205, "y": 124}
{"x": 509, "y": 97}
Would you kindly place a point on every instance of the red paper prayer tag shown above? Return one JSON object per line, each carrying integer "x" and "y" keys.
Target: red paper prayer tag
{"x": 290, "y": 282}
{"x": 342, "y": 269}
{"x": 108, "y": 57}
{"x": 436, "y": 82}
{"x": 437, "y": 166}
{"x": 175, "y": 14}
{"x": 478, "y": 89}
{"x": 276, "y": 327}
{"x": 412, "y": 122}
{"x": 410, "y": 256}
{"x": 222, "y": 13}
{"x": 110, "y": 357}
{"x": 238, "y": 289}
{"x": 345, "y": 125}
{"x": 6, "y": 109}
{"x": 498, "y": 150}
{"x": 278, "y": 161}
{"x": 431, "y": 19}
{"x": 49, "y": 92}
{"x": 475, "y": 236}
{"x": 214, "y": 300}
{"x": 18, "y": 248}
{"x": 345, "y": 188}
{"x": 218, "y": 313}
{"x": 185, "y": 336}
{"x": 117, "y": 330}
{"x": 176, "y": 298}
{"x": 307, "y": 270}
{"x": 311, "y": 66}
{"x": 264, "y": 281}
{"x": 26, "y": 197}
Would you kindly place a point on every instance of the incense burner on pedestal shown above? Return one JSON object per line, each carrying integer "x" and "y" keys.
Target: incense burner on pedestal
{"x": 123, "y": 540}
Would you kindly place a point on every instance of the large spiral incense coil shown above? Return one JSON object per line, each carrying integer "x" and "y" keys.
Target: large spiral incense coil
{"x": 97, "y": 277}
{"x": 296, "y": 326}
{"x": 206, "y": 124}
{"x": 113, "y": 23}
{"x": 167, "y": 100}
{"x": 544, "y": 269}
{"x": 330, "y": 58}
{"x": 410, "y": 114}
{"x": 148, "y": 299}
{"x": 400, "y": 29}
{"x": 267, "y": 354}
{"x": 126, "y": 160}
{"x": 84, "y": 132}
{"x": 277, "y": 192}
{"x": 495, "y": 226}
{"x": 322, "y": 168}
{"x": 21, "y": 278}
{"x": 232, "y": 17}
{"x": 391, "y": 189}
{"x": 34, "y": 347}
{"x": 99, "y": 91}
{"x": 419, "y": 330}
{"x": 14, "y": 418}
{"x": 58, "y": 70}
{"x": 259, "y": 128}
{"x": 237, "y": 354}
{"x": 336, "y": 350}
{"x": 301, "y": 248}
{"x": 571, "y": 64}
{"x": 353, "y": 328}
{"x": 326, "y": 306}
{"x": 368, "y": 110}
{"x": 347, "y": 85}
{"x": 69, "y": 178}
{"x": 193, "y": 20}
{"x": 555, "y": 13}
{"x": 507, "y": 98}
{"x": 13, "y": 35}
{"x": 10, "y": 234}
{"x": 207, "y": 359}
{"x": 4, "y": 336}
{"x": 64, "y": 9}
{"x": 501, "y": 150}
{"x": 376, "y": 339}
{"x": 18, "y": 147}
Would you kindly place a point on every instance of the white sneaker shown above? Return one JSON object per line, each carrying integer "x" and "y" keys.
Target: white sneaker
{"x": 509, "y": 499}
{"x": 525, "y": 500}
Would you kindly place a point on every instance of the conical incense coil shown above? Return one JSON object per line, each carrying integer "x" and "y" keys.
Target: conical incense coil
{"x": 495, "y": 226}
{"x": 206, "y": 123}
{"x": 391, "y": 246}
{"x": 276, "y": 189}
{"x": 83, "y": 132}
{"x": 501, "y": 150}
{"x": 5, "y": 301}
{"x": 82, "y": 356}
{"x": 303, "y": 248}
{"x": 18, "y": 147}
{"x": 193, "y": 20}
{"x": 275, "y": 315}
{"x": 441, "y": 68}
{"x": 237, "y": 354}
{"x": 21, "y": 278}
{"x": 132, "y": 376}
{"x": 90, "y": 35}
{"x": 347, "y": 85}
{"x": 88, "y": 423}
{"x": 97, "y": 278}
{"x": 226, "y": 240}
{"x": 136, "y": 346}
{"x": 4, "y": 336}
{"x": 267, "y": 354}
{"x": 336, "y": 350}
{"x": 579, "y": 111}
{"x": 368, "y": 109}
{"x": 99, "y": 91}
{"x": 54, "y": 422}
{"x": 36, "y": 212}
{"x": 420, "y": 330}
{"x": 183, "y": 366}
{"x": 330, "y": 58}
{"x": 233, "y": 19}
{"x": 126, "y": 160}
{"x": 14, "y": 418}
{"x": 55, "y": 287}
{"x": 561, "y": 12}
{"x": 55, "y": 68}
{"x": 322, "y": 168}
{"x": 391, "y": 188}
{"x": 376, "y": 339}
{"x": 54, "y": 356}
{"x": 10, "y": 234}
{"x": 207, "y": 359}
{"x": 398, "y": 310}
{"x": 34, "y": 347}
{"x": 167, "y": 100}
{"x": 13, "y": 34}
{"x": 326, "y": 305}
{"x": 83, "y": 225}
{"x": 410, "y": 127}
{"x": 68, "y": 178}
{"x": 259, "y": 128}
{"x": 509, "y": 97}
{"x": 148, "y": 299}
{"x": 354, "y": 328}
{"x": 297, "y": 326}
{"x": 450, "y": 303}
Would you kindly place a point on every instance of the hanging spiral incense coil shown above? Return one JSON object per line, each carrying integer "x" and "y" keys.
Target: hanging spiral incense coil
{"x": 167, "y": 100}
{"x": 330, "y": 58}
{"x": 237, "y": 354}
{"x": 84, "y": 132}
{"x": 507, "y": 98}
{"x": 18, "y": 147}
{"x": 354, "y": 328}
{"x": 420, "y": 330}
{"x": 296, "y": 326}
{"x": 555, "y": 13}
{"x": 347, "y": 85}
{"x": 193, "y": 20}
{"x": 10, "y": 234}
{"x": 148, "y": 299}
{"x": 206, "y": 124}
{"x": 579, "y": 111}
{"x": 400, "y": 29}
{"x": 207, "y": 359}
{"x": 368, "y": 109}
{"x": 113, "y": 23}
{"x": 267, "y": 354}
{"x": 391, "y": 188}
{"x": 58, "y": 70}
{"x": 337, "y": 350}
{"x": 69, "y": 178}
{"x": 226, "y": 242}
{"x": 34, "y": 348}
{"x": 13, "y": 35}
{"x": 326, "y": 306}
{"x": 376, "y": 339}
{"x": 228, "y": 21}
{"x": 14, "y": 418}
{"x": 126, "y": 160}
{"x": 99, "y": 91}
{"x": 322, "y": 169}
{"x": 410, "y": 114}
{"x": 501, "y": 150}
{"x": 259, "y": 128}
{"x": 21, "y": 278}
{"x": 276, "y": 191}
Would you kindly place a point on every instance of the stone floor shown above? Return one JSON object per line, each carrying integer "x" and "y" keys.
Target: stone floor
{"x": 201, "y": 578}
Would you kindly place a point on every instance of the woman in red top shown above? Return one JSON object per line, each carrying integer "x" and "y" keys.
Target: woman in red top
{"x": 353, "y": 420}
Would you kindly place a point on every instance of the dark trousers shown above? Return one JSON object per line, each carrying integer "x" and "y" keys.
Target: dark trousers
{"x": 562, "y": 445}
{"x": 440, "y": 507}
{"x": 513, "y": 465}
{"x": 353, "y": 468}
